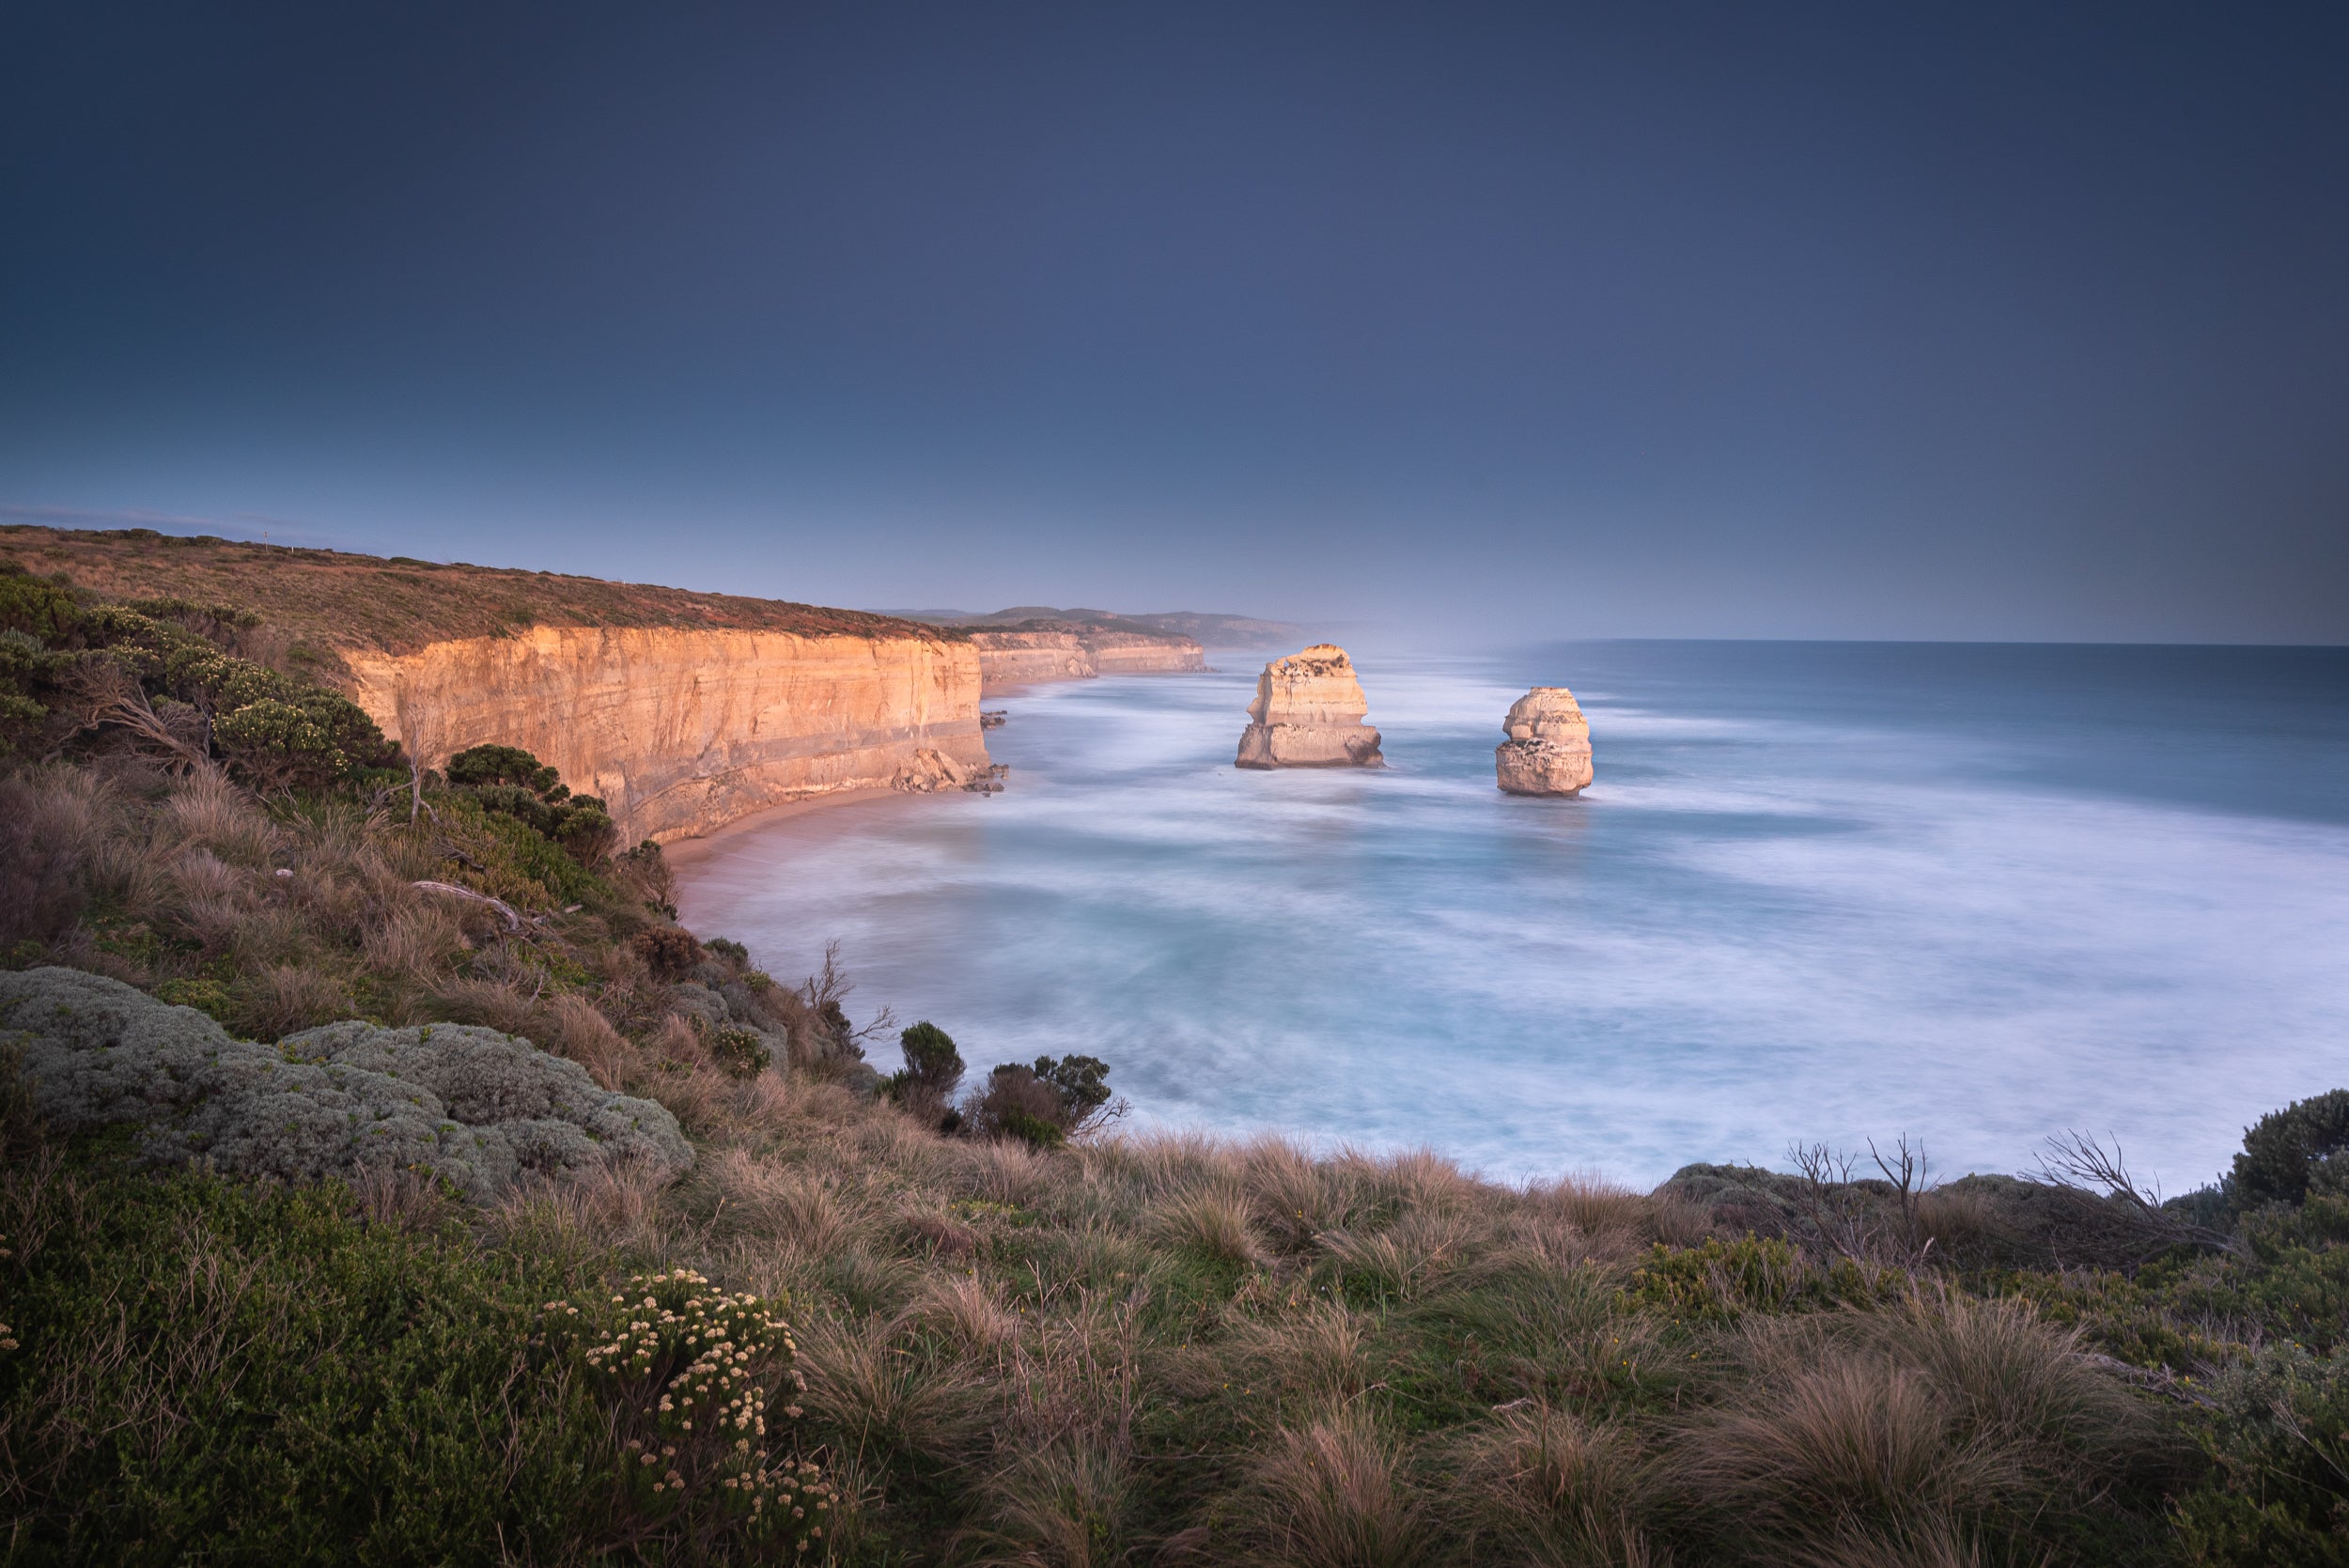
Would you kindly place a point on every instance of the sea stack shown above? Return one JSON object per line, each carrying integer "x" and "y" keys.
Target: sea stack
{"x": 1549, "y": 748}
{"x": 1308, "y": 713}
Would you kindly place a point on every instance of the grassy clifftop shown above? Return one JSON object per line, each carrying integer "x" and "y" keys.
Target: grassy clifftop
{"x": 869, "y": 1327}
{"x": 334, "y": 600}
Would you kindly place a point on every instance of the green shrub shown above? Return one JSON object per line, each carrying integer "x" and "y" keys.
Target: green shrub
{"x": 309, "y": 1388}
{"x": 39, "y": 609}
{"x": 2277, "y": 1432}
{"x": 2285, "y": 1149}
{"x": 670, "y": 952}
{"x": 1721, "y": 1282}
{"x": 206, "y": 995}
{"x": 509, "y": 782}
{"x": 1035, "y": 1131}
{"x": 931, "y": 1059}
{"x": 740, "y": 1052}
{"x": 481, "y": 766}
{"x": 1081, "y": 1081}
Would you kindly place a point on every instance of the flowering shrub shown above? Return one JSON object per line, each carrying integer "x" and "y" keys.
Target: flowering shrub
{"x": 694, "y": 1368}
{"x": 742, "y": 1053}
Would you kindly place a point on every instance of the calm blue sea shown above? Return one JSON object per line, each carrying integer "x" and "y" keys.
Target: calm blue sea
{"x": 1973, "y": 894}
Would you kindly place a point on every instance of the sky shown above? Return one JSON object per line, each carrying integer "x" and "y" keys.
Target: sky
{"x": 1461, "y": 321}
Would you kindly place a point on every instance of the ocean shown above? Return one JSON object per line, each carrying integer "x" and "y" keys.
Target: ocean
{"x": 1978, "y": 894}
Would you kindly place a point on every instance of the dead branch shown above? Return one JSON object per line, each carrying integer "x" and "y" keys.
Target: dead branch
{"x": 2078, "y": 1163}
{"x": 513, "y": 921}
{"x": 106, "y": 694}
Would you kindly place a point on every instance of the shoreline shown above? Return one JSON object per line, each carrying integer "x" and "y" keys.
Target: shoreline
{"x": 685, "y": 853}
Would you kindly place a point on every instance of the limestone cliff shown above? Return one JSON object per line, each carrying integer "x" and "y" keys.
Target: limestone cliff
{"x": 683, "y": 710}
{"x": 1549, "y": 748}
{"x": 682, "y": 730}
{"x": 1308, "y": 713}
{"x": 1012, "y": 659}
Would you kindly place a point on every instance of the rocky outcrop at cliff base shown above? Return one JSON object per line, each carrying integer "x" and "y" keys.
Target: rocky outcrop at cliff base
{"x": 1308, "y": 713}
{"x": 476, "y": 1106}
{"x": 1549, "y": 748}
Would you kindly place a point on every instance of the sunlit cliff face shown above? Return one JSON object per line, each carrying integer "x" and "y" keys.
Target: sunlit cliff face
{"x": 683, "y": 731}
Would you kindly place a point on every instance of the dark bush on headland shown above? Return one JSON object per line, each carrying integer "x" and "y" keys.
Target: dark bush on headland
{"x": 670, "y": 952}
{"x": 2290, "y": 1153}
{"x": 1042, "y": 1105}
{"x": 509, "y": 782}
{"x": 83, "y": 678}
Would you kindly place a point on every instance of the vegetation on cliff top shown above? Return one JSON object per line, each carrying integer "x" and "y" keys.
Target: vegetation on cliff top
{"x": 320, "y": 601}
{"x": 1013, "y": 1346}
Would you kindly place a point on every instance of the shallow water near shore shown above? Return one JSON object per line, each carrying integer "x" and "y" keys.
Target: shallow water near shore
{"x": 1974, "y": 894}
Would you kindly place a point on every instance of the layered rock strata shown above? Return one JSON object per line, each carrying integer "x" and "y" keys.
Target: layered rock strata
{"x": 682, "y": 730}
{"x": 1549, "y": 748}
{"x": 1308, "y": 713}
{"x": 1010, "y": 659}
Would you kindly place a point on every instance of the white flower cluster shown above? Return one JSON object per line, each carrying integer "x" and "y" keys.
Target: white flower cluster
{"x": 697, "y": 1361}
{"x": 472, "y": 1105}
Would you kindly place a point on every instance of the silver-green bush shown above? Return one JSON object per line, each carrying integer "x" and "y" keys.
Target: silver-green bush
{"x": 475, "y": 1106}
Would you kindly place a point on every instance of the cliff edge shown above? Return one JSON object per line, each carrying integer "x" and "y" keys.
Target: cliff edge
{"x": 1308, "y": 713}
{"x": 681, "y": 711}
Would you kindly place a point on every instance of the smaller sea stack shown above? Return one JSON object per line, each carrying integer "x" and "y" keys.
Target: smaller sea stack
{"x": 1549, "y": 748}
{"x": 1308, "y": 713}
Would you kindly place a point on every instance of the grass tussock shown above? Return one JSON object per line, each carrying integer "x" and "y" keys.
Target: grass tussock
{"x": 1335, "y": 1495}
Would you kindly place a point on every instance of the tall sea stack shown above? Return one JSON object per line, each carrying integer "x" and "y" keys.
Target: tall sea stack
{"x": 1308, "y": 713}
{"x": 1549, "y": 748}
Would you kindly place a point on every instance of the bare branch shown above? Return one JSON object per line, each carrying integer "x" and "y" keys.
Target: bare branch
{"x": 513, "y": 921}
{"x": 2077, "y": 1162}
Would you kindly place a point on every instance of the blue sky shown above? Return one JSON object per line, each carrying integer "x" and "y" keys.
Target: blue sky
{"x": 1462, "y": 320}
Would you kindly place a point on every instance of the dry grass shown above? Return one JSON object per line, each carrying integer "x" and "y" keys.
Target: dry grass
{"x": 1911, "y": 1433}
{"x": 1324, "y": 1352}
{"x": 587, "y": 1037}
{"x": 964, "y": 1310}
{"x": 1334, "y": 1497}
{"x": 1550, "y": 1488}
{"x": 887, "y": 1403}
{"x": 1412, "y": 1257}
{"x": 1157, "y": 1348}
{"x": 1070, "y": 1504}
{"x": 1213, "y": 1222}
{"x": 333, "y": 599}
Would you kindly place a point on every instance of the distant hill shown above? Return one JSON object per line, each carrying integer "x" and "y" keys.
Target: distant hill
{"x": 1225, "y": 631}
{"x": 332, "y": 599}
{"x": 1210, "y": 631}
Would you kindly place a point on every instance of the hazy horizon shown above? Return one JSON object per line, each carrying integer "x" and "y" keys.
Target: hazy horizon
{"x": 1493, "y": 323}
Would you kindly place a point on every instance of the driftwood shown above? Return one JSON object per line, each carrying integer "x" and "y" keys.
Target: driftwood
{"x": 513, "y": 921}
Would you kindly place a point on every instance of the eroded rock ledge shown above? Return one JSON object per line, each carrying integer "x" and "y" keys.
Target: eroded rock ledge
{"x": 1549, "y": 748}
{"x": 1308, "y": 713}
